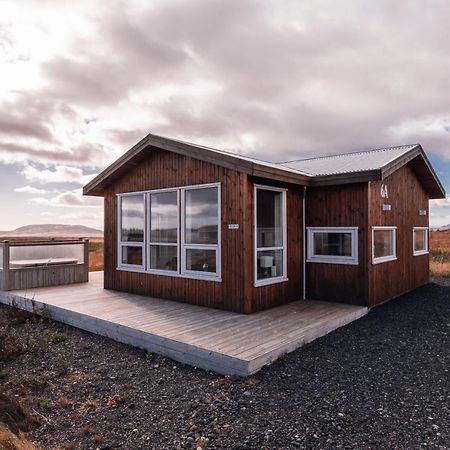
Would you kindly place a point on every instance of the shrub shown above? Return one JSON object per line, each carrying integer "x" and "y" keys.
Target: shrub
{"x": 10, "y": 344}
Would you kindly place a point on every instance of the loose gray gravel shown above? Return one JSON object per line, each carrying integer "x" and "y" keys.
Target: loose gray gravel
{"x": 380, "y": 382}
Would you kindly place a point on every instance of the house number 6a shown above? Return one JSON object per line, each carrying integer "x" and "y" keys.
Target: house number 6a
{"x": 384, "y": 191}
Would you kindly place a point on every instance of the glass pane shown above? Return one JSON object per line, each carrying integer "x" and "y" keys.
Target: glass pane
{"x": 201, "y": 260}
{"x": 202, "y": 210}
{"x": 132, "y": 255}
{"x": 269, "y": 264}
{"x": 269, "y": 218}
{"x": 420, "y": 240}
{"x": 133, "y": 218}
{"x": 42, "y": 254}
{"x": 336, "y": 244}
{"x": 383, "y": 243}
{"x": 164, "y": 217}
{"x": 163, "y": 257}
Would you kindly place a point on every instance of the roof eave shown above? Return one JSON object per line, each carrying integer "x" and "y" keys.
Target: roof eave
{"x": 436, "y": 190}
{"x": 362, "y": 176}
{"x": 96, "y": 187}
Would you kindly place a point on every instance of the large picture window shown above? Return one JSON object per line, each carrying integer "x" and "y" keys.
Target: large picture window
{"x": 201, "y": 230}
{"x": 163, "y": 236}
{"x": 177, "y": 233}
{"x": 270, "y": 235}
{"x": 337, "y": 245}
{"x": 131, "y": 230}
{"x": 420, "y": 241}
{"x": 383, "y": 244}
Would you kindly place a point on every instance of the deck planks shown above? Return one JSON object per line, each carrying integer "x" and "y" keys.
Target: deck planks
{"x": 226, "y": 342}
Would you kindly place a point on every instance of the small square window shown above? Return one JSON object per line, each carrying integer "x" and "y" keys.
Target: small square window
{"x": 383, "y": 244}
{"x": 337, "y": 245}
{"x": 420, "y": 241}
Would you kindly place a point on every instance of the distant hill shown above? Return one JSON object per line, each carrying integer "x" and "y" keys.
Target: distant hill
{"x": 443, "y": 228}
{"x": 54, "y": 230}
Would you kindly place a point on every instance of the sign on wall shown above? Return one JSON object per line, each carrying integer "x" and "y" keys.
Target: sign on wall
{"x": 384, "y": 191}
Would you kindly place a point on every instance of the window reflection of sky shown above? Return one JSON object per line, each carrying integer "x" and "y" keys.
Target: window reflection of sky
{"x": 164, "y": 217}
{"x": 133, "y": 218}
{"x": 202, "y": 216}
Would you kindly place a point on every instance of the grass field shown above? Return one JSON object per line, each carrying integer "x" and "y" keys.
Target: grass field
{"x": 440, "y": 253}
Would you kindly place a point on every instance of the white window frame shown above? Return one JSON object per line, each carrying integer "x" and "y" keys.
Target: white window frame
{"x": 149, "y": 243}
{"x": 384, "y": 259}
{"x": 256, "y": 249}
{"x": 312, "y": 257}
{"x": 421, "y": 252}
{"x": 121, "y": 244}
{"x": 184, "y": 246}
{"x": 181, "y": 246}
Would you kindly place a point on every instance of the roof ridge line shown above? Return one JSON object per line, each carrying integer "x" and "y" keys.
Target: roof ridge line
{"x": 338, "y": 155}
{"x": 227, "y": 152}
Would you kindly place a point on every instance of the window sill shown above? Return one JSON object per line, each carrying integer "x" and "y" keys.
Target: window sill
{"x": 421, "y": 252}
{"x": 270, "y": 281}
{"x": 384, "y": 259}
{"x": 168, "y": 274}
{"x": 332, "y": 261}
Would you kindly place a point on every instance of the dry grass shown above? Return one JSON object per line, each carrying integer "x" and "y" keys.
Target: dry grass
{"x": 116, "y": 400}
{"x": 97, "y": 439}
{"x": 10, "y": 441}
{"x": 89, "y": 404}
{"x": 10, "y": 344}
{"x": 63, "y": 402}
{"x": 14, "y": 420}
{"x": 440, "y": 253}
{"x": 96, "y": 261}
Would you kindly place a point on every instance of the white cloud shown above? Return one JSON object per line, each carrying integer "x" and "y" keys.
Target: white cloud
{"x": 83, "y": 81}
{"x": 30, "y": 190}
{"x": 69, "y": 199}
{"x": 57, "y": 174}
{"x": 440, "y": 212}
{"x": 83, "y": 216}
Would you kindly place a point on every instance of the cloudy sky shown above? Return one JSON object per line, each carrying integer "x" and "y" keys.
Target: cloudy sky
{"x": 82, "y": 81}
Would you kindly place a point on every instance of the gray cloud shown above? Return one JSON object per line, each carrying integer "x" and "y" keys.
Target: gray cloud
{"x": 285, "y": 80}
{"x": 26, "y": 116}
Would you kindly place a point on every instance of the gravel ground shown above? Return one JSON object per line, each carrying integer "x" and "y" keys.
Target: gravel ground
{"x": 381, "y": 382}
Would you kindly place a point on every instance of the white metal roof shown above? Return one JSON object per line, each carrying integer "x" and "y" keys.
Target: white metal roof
{"x": 348, "y": 162}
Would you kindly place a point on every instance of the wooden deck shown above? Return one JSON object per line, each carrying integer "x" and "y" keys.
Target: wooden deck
{"x": 225, "y": 342}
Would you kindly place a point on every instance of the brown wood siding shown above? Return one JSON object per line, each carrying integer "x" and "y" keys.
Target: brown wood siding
{"x": 263, "y": 297}
{"x": 339, "y": 206}
{"x": 406, "y": 197}
{"x": 162, "y": 170}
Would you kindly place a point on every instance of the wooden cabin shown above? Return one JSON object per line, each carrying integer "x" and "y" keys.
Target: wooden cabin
{"x": 207, "y": 227}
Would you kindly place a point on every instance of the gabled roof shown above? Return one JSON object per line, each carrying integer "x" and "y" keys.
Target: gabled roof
{"x": 349, "y": 162}
{"x": 152, "y": 142}
{"x": 345, "y": 168}
{"x": 370, "y": 165}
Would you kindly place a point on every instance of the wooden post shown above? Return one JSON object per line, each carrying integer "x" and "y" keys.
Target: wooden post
{"x": 86, "y": 257}
{"x": 6, "y": 266}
